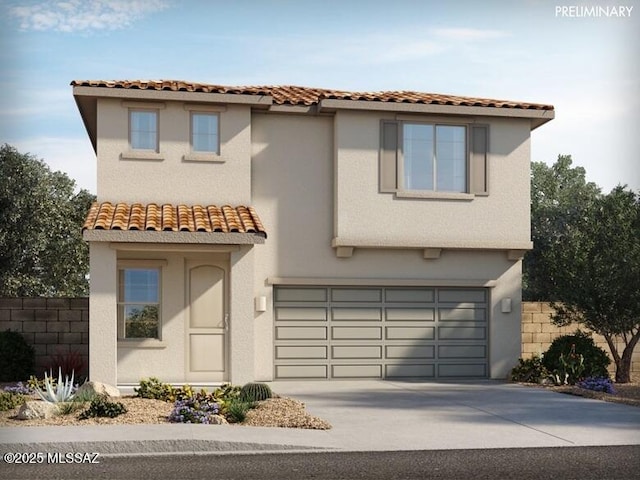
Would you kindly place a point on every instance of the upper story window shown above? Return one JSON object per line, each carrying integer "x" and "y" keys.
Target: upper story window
{"x": 138, "y": 303}
{"x": 434, "y": 160}
{"x": 204, "y": 132}
{"x": 143, "y": 129}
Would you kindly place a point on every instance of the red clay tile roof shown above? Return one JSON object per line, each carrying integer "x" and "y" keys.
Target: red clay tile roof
{"x": 173, "y": 218}
{"x": 292, "y": 95}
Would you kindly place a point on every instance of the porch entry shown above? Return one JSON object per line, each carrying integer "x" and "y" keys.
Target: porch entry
{"x": 207, "y": 321}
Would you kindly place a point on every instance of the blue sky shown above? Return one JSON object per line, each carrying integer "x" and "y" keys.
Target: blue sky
{"x": 588, "y": 67}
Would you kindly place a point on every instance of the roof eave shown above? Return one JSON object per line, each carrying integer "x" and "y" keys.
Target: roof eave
{"x": 539, "y": 116}
{"x": 198, "y": 238}
{"x": 263, "y": 101}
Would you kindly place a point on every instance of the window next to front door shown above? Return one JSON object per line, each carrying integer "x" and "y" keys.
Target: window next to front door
{"x": 138, "y": 303}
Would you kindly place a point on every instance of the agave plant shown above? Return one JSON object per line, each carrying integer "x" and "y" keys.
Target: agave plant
{"x": 62, "y": 392}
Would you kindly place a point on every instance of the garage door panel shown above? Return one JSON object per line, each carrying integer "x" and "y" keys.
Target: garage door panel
{"x": 356, "y": 351}
{"x": 356, "y": 295}
{"x": 410, "y": 351}
{"x": 406, "y": 295}
{"x": 462, "y": 295}
{"x": 464, "y": 314}
{"x": 410, "y": 371}
{"x": 301, "y": 333}
{"x": 301, "y": 371}
{"x": 356, "y": 333}
{"x": 462, "y": 351}
{"x": 301, "y": 352}
{"x": 300, "y": 294}
{"x": 356, "y": 371}
{"x": 302, "y": 314}
{"x": 462, "y": 333}
{"x": 478, "y": 370}
{"x": 410, "y": 333}
{"x": 410, "y": 314}
{"x": 343, "y": 314}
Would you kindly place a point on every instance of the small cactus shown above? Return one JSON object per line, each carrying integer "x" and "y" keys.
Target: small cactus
{"x": 255, "y": 392}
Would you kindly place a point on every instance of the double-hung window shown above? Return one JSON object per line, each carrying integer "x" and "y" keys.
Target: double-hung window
{"x": 434, "y": 159}
{"x": 143, "y": 129}
{"x": 205, "y": 133}
{"x": 138, "y": 302}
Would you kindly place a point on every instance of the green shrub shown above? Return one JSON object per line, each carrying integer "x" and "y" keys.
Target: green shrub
{"x": 17, "y": 358}
{"x": 9, "y": 400}
{"x": 255, "y": 392}
{"x": 530, "y": 370}
{"x": 595, "y": 359}
{"x": 154, "y": 388}
{"x": 237, "y": 409}
{"x": 102, "y": 407}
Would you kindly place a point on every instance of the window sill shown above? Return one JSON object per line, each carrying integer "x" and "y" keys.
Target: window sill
{"x": 435, "y": 195}
{"x": 203, "y": 157}
{"x": 147, "y": 343}
{"x": 141, "y": 155}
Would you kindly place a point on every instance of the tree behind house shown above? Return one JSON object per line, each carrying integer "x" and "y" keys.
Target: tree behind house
{"x": 42, "y": 252}
{"x": 586, "y": 257}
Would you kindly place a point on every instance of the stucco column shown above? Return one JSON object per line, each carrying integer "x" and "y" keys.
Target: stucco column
{"x": 242, "y": 316}
{"x": 103, "y": 346}
{"x": 506, "y": 327}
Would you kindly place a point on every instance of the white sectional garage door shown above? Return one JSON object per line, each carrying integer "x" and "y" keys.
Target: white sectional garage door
{"x": 380, "y": 332}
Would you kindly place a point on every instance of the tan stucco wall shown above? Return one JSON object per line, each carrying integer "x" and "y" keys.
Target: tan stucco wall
{"x": 365, "y": 216}
{"x": 172, "y": 179}
{"x": 293, "y": 190}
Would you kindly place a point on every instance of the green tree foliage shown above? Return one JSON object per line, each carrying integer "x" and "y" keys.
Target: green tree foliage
{"x": 42, "y": 252}
{"x": 594, "y": 273}
{"x": 560, "y": 198}
{"x": 586, "y": 256}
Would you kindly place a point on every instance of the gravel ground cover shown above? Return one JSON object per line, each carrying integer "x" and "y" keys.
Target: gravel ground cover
{"x": 275, "y": 412}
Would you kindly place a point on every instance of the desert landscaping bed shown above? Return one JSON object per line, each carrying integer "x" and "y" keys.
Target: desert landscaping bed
{"x": 274, "y": 412}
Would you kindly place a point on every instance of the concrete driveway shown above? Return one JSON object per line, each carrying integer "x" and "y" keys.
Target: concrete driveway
{"x": 371, "y": 416}
{"x": 377, "y": 415}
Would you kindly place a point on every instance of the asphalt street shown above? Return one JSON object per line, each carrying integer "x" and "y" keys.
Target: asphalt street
{"x": 583, "y": 463}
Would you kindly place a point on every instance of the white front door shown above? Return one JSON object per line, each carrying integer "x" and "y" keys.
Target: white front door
{"x": 207, "y": 321}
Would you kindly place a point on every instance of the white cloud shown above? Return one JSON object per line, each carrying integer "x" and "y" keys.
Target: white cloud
{"x": 83, "y": 15}
{"x": 467, "y": 34}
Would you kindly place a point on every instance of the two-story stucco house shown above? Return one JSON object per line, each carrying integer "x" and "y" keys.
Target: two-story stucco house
{"x": 260, "y": 233}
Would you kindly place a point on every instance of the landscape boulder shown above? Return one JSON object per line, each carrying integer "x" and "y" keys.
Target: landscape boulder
{"x": 98, "y": 388}
{"x": 37, "y": 409}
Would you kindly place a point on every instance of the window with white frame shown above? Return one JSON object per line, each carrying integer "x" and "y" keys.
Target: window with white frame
{"x": 143, "y": 129}
{"x": 204, "y": 132}
{"x": 138, "y": 302}
{"x": 434, "y": 157}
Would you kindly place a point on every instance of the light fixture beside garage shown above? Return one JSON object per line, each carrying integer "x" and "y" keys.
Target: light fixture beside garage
{"x": 506, "y": 305}
{"x": 261, "y": 303}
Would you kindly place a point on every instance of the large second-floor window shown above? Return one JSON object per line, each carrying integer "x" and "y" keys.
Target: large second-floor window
{"x": 143, "y": 129}
{"x": 435, "y": 157}
{"x": 204, "y": 132}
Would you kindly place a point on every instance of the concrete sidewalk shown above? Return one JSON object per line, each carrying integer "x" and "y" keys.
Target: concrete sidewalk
{"x": 371, "y": 416}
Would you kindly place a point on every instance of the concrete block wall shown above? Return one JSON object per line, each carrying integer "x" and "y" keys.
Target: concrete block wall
{"x": 52, "y": 326}
{"x": 538, "y": 332}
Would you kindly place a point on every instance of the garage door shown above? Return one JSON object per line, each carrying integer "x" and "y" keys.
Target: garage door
{"x": 376, "y": 332}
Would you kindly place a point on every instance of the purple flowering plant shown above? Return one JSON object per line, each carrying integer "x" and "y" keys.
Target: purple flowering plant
{"x": 597, "y": 384}
{"x": 196, "y": 409}
{"x": 18, "y": 388}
